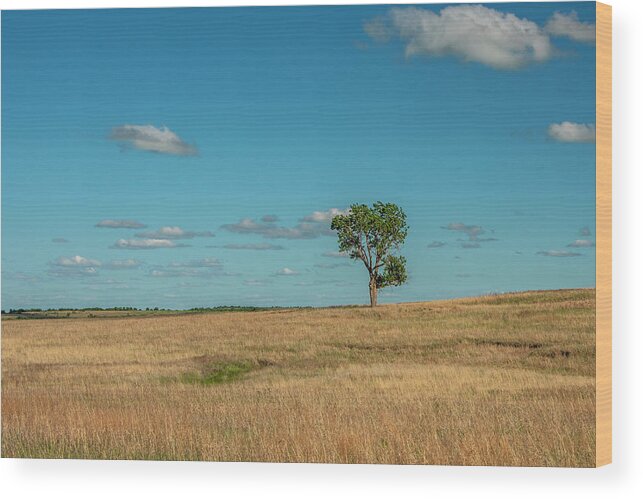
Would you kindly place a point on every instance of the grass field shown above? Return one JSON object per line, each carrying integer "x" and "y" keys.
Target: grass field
{"x": 498, "y": 380}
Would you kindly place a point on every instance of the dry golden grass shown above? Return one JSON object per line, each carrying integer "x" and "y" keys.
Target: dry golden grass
{"x": 504, "y": 380}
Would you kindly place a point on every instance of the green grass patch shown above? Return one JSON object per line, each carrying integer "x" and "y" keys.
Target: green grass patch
{"x": 215, "y": 374}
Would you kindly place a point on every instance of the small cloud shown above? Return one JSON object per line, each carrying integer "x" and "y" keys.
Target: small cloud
{"x": 74, "y": 266}
{"x": 436, "y": 244}
{"x": 247, "y": 226}
{"x": 471, "y": 33}
{"x": 121, "y": 224}
{"x": 141, "y": 244}
{"x": 286, "y": 271}
{"x": 256, "y": 282}
{"x": 324, "y": 216}
{"x": 76, "y": 261}
{"x": 203, "y": 268}
{"x": 331, "y": 265}
{"x": 581, "y": 243}
{"x": 152, "y": 139}
{"x": 558, "y": 253}
{"x": 59, "y": 240}
{"x": 256, "y": 247}
{"x": 129, "y": 263}
{"x": 335, "y": 254}
{"x": 173, "y": 233}
{"x": 21, "y": 276}
{"x": 473, "y": 231}
{"x": 201, "y": 263}
{"x": 572, "y": 132}
{"x": 309, "y": 227}
{"x": 569, "y": 25}
{"x": 585, "y": 231}
{"x": 470, "y": 245}
{"x": 269, "y": 218}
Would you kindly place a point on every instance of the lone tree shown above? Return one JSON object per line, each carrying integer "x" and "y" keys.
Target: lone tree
{"x": 370, "y": 235}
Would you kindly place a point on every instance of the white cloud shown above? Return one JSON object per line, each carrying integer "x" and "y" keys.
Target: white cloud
{"x": 256, "y": 282}
{"x": 256, "y": 247}
{"x": 309, "y": 227}
{"x": 202, "y": 268}
{"x": 436, "y": 244}
{"x": 573, "y": 132}
{"x": 324, "y": 216}
{"x": 129, "y": 263}
{"x": 569, "y": 25}
{"x": 74, "y": 266}
{"x": 149, "y": 138}
{"x": 201, "y": 263}
{"x": 378, "y": 29}
{"x": 145, "y": 244}
{"x": 76, "y": 261}
{"x": 120, "y": 224}
{"x": 173, "y": 233}
{"x": 472, "y": 33}
{"x": 286, "y": 271}
{"x": 247, "y": 226}
{"x": 331, "y": 265}
{"x": 558, "y": 253}
{"x": 585, "y": 231}
{"x": 581, "y": 243}
{"x": 59, "y": 240}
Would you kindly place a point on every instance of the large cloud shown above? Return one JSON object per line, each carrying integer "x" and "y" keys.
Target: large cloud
{"x": 309, "y": 227}
{"x": 149, "y": 138}
{"x": 141, "y": 244}
{"x": 471, "y": 33}
{"x": 120, "y": 224}
{"x": 173, "y": 233}
{"x": 569, "y": 25}
{"x": 572, "y": 132}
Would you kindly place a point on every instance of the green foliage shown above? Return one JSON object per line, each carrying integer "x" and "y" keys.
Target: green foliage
{"x": 371, "y": 235}
{"x": 217, "y": 373}
{"x": 394, "y": 272}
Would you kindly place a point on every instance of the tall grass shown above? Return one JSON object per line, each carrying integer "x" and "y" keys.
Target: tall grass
{"x": 502, "y": 380}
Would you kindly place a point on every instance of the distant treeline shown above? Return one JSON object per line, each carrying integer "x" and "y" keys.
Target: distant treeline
{"x": 222, "y": 308}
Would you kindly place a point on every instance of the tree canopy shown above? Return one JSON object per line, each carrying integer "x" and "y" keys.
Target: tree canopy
{"x": 372, "y": 234}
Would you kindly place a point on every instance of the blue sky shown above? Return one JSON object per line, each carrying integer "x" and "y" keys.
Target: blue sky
{"x": 193, "y": 157}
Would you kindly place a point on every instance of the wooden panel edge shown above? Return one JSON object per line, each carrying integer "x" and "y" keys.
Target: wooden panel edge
{"x": 603, "y": 234}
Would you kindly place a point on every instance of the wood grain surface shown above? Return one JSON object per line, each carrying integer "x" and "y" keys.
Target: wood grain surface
{"x": 603, "y": 234}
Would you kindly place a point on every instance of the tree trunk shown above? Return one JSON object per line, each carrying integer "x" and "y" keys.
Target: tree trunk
{"x": 372, "y": 286}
